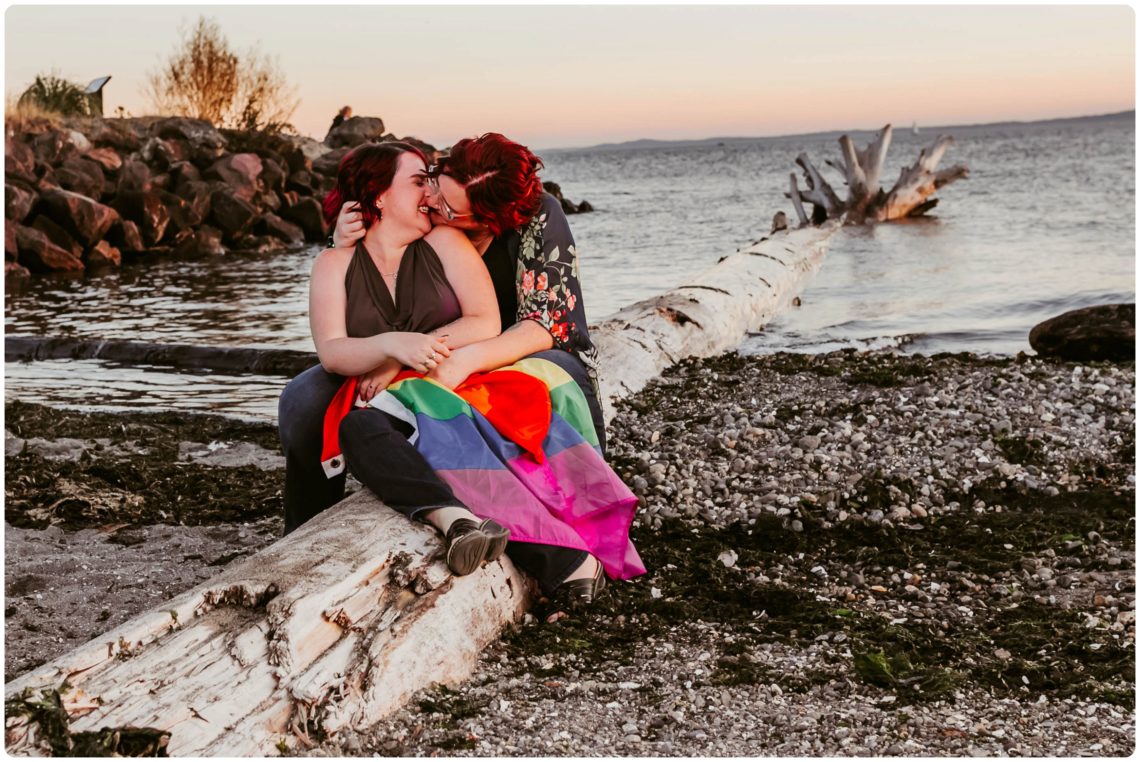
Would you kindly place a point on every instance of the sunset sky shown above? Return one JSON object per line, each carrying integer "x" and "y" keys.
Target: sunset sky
{"x": 560, "y": 76}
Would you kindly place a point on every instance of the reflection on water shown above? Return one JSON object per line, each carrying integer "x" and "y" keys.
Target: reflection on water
{"x": 237, "y": 300}
{"x": 95, "y": 384}
{"x": 1028, "y": 235}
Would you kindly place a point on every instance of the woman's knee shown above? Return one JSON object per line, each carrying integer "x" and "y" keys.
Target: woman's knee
{"x": 361, "y": 427}
{"x": 303, "y": 402}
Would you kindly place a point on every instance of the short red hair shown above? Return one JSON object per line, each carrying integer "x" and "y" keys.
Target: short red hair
{"x": 500, "y": 177}
{"x": 364, "y": 173}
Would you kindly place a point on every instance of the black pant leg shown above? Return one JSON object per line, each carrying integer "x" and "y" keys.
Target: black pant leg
{"x": 300, "y": 420}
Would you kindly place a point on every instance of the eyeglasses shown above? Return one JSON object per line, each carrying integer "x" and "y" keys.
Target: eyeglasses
{"x": 444, "y": 208}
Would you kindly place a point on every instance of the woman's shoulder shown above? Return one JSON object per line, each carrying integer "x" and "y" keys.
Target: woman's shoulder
{"x": 445, "y": 235}
{"x": 334, "y": 259}
{"x": 448, "y": 241}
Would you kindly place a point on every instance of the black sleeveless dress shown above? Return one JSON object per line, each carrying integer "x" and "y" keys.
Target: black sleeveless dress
{"x": 424, "y": 300}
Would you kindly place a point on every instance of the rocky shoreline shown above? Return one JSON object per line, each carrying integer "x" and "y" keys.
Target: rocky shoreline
{"x": 87, "y": 194}
{"x": 850, "y": 554}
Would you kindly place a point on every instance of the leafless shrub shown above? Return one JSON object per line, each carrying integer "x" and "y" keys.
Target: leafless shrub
{"x": 205, "y": 79}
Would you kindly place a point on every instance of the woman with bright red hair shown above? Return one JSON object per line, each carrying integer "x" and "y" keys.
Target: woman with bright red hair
{"x": 488, "y": 188}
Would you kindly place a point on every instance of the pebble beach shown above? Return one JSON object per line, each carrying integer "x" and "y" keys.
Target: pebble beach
{"x": 849, "y": 554}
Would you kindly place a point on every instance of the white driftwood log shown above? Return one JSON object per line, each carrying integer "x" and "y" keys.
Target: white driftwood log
{"x": 862, "y": 170}
{"x": 707, "y": 315}
{"x": 342, "y": 621}
{"x": 866, "y": 200}
{"x": 917, "y": 183}
{"x": 819, "y": 191}
{"x": 335, "y": 625}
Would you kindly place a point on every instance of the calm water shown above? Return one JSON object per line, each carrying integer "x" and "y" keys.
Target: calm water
{"x": 1045, "y": 223}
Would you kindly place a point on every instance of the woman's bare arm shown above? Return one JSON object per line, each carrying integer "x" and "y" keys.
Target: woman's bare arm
{"x": 471, "y": 282}
{"x": 338, "y": 352}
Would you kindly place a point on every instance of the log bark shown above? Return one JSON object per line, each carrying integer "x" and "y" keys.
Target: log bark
{"x": 342, "y": 621}
{"x": 283, "y": 362}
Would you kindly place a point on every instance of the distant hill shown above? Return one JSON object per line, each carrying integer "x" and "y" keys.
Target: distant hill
{"x": 932, "y": 129}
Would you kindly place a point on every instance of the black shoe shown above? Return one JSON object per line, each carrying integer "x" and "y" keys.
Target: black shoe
{"x": 470, "y": 544}
{"x": 581, "y": 592}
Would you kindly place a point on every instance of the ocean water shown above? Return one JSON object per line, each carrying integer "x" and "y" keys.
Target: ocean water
{"x": 1044, "y": 223}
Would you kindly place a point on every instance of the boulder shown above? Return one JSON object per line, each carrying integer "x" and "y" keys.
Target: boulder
{"x": 19, "y": 160}
{"x": 45, "y": 178}
{"x": 15, "y": 271}
{"x": 300, "y": 181}
{"x": 203, "y": 242}
{"x": 160, "y": 154}
{"x": 79, "y": 140}
{"x": 126, "y": 236}
{"x": 18, "y": 202}
{"x": 296, "y": 158}
{"x": 308, "y": 214}
{"x": 198, "y": 133}
{"x": 58, "y": 236}
{"x": 116, "y": 134}
{"x": 272, "y": 175}
{"x": 81, "y": 176}
{"x": 11, "y": 248}
{"x": 258, "y": 244}
{"x": 106, "y": 158}
{"x": 1106, "y": 332}
{"x": 104, "y": 254}
{"x": 52, "y": 147}
{"x": 182, "y": 213}
{"x": 183, "y": 172}
{"x": 272, "y": 225}
{"x": 83, "y": 218}
{"x": 270, "y": 200}
{"x": 146, "y": 209}
{"x": 197, "y": 194}
{"x": 240, "y": 171}
{"x": 134, "y": 176}
{"x": 330, "y": 162}
{"x": 568, "y": 206}
{"x": 355, "y": 131}
{"x": 431, "y": 152}
{"x": 39, "y": 254}
{"x": 230, "y": 213}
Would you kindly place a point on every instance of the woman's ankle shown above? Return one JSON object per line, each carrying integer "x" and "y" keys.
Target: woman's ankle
{"x": 443, "y": 518}
{"x": 585, "y": 570}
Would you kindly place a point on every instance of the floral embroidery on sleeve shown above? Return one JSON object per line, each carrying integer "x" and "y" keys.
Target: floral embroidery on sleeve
{"x": 548, "y": 289}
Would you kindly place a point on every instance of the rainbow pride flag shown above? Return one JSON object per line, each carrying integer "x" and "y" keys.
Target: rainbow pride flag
{"x": 518, "y": 445}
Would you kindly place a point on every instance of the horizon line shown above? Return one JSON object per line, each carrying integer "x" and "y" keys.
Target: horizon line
{"x": 626, "y": 143}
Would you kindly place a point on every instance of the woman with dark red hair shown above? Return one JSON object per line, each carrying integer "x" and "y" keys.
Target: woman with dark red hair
{"x": 488, "y": 188}
{"x": 378, "y": 306}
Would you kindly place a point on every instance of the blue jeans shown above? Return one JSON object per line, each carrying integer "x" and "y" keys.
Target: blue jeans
{"x": 394, "y": 470}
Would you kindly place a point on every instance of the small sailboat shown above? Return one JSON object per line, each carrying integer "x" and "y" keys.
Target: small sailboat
{"x": 914, "y": 128}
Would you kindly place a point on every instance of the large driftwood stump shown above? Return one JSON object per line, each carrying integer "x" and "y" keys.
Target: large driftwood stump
{"x": 911, "y": 195}
{"x": 343, "y": 620}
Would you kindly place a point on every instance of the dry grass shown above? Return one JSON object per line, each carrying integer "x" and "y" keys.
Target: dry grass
{"x": 19, "y": 117}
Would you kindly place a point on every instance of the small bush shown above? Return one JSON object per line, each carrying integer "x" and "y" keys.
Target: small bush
{"x": 55, "y": 95}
